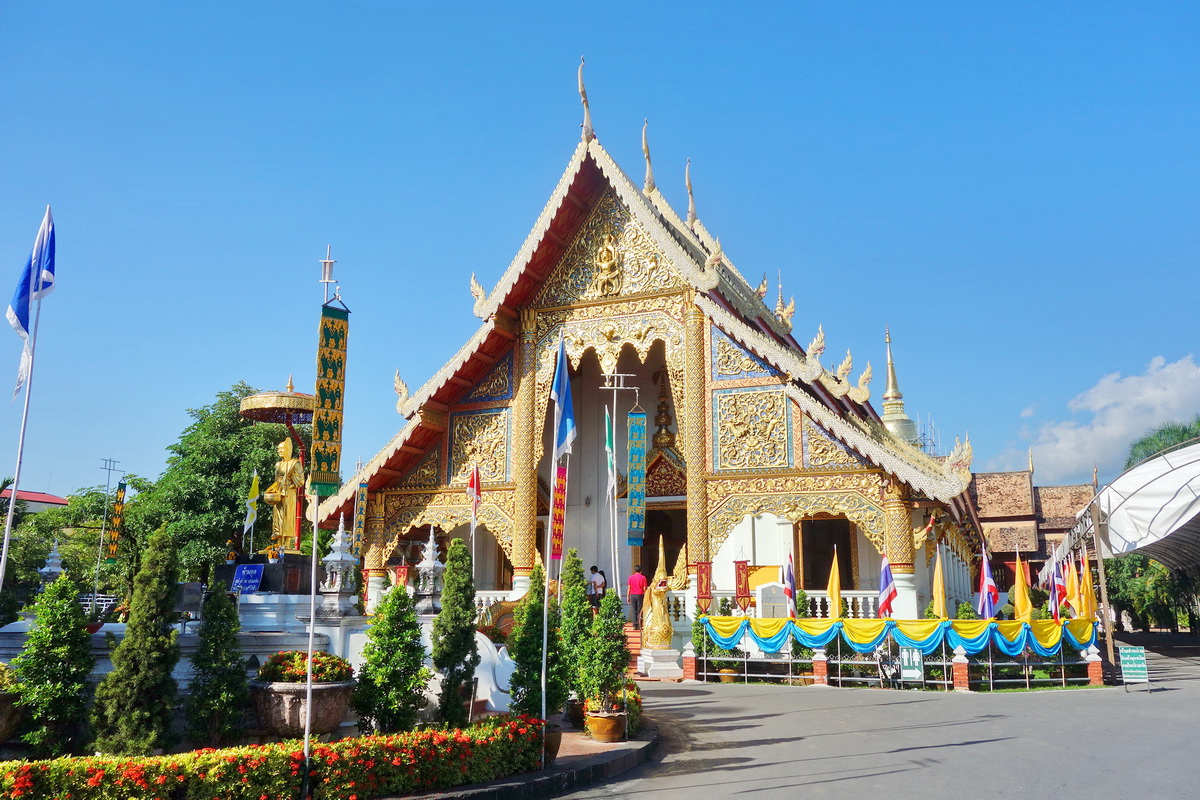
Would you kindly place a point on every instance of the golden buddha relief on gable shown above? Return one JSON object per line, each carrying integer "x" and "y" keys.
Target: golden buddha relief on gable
{"x": 611, "y": 256}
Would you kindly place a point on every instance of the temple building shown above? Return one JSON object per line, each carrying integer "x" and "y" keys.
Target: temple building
{"x": 758, "y": 451}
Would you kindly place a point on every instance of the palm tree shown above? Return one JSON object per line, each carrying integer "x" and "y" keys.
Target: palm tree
{"x": 21, "y": 510}
{"x": 1162, "y": 438}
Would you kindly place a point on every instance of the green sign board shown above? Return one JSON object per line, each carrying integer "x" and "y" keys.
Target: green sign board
{"x": 912, "y": 664}
{"x": 1133, "y": 664}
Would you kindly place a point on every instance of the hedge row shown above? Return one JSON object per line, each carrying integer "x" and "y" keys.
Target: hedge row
{"x": 350, "y": 769}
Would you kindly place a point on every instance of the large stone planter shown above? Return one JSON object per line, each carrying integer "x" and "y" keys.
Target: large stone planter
{"x": 10, "y": 715}
{"x": 606, "y": 728}
{"x": 280, "y": 707}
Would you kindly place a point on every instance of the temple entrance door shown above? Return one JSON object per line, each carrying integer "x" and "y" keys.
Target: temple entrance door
{"x": 671, "y": 526}
{"x": 817, "y": 540}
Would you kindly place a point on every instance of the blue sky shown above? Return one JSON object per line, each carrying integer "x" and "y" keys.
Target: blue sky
{"x": 1014, "y": 188}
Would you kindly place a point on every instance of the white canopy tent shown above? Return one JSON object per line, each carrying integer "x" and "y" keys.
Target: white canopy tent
{"x": 1153, "y": 508}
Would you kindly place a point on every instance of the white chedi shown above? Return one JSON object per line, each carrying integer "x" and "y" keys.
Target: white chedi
{"x": 340, "y": 564}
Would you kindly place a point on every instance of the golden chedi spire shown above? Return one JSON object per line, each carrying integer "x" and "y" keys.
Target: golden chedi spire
{"x": 894, "y": 418}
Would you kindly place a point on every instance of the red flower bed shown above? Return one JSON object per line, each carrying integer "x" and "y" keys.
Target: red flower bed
{"x": 351, "y": 769}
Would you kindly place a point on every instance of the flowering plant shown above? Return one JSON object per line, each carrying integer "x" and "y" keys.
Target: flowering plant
{"x": 628, "y": 700}
{"x": 291, "y": 666}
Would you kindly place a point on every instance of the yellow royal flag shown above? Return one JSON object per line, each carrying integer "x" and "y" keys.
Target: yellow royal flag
{"x": 1022, "y": 608}
{"x": 1073, "y": 588}
{"x": 251, "y": 505}
{"x": 1087, "y": 594}
{"x": 834, "y": 589}
{"x": 939, "y": 589}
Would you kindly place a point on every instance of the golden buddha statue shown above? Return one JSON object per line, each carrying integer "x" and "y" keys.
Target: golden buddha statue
{"x": 283, "y": 496}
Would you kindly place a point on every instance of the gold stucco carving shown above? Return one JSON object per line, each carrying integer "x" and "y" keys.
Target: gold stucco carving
{"x": 447, "y": 509}
{"x": 692, "y": 422}
{"x": 612, "y": 255}
{"x": 732, "y": 360}
{"x": 751, "y": 429}
{"x": 822, "y": 452}
{"x": 525, "y": 476}
{"x": 664, "y": 479}
{"x": 496, "y": 384}
{"x": 479, "y": 438}
{"x": 427, "y": 473}
{"x": 797, "y": 507}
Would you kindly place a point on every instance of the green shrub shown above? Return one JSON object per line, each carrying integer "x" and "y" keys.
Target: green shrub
{"x": 393, "y": 676}
{"x": 135, "y": 702}
{"x": 576, "y": 617}
{"x": 525, "y": 648}
{"x": 454, "y": 653}
{"x": 416, "y": 762}
{"x": 604, "y": 655}
{"x": 219, "y": 696}
{"x": 291, "y": 666}
{"x": 966, "y": 611}
{"x": 53, "y": 670}
{"x": 8, "y": 679}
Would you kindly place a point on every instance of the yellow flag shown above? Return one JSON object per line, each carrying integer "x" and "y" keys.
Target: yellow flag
{"x": 251, "y": 505}
{"x": 834, "y": 589}
{"x": 1087, "y": 599}
{"x": 1072, "y": 598}
{"x": 1022, "y": 608}
{"x": 939, "y": 589}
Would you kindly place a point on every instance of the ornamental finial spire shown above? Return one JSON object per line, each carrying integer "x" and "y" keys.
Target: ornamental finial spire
{"x": 894, "y": 417}
{"x": 687, "y": 180}
{"x": 648, "y": 184}
{"x": 588, "y": 132}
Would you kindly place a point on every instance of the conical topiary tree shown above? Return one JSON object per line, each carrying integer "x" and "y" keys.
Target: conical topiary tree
{"x": 604, "y": 656}
{"x": 454, "y": 652}
{"x": 392, "y": 679}
{"x": 525, "y": 648}
{"x": 135, "y": 702}
{"x": 216, "y": 706}
{"x": 53, "y": 670}
{"x": 576, "y": 617}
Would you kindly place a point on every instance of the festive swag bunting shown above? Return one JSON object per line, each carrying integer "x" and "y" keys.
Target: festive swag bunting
{"x": 116, "y": 524}
{"x": 704, "y": 586}
{"x": 360, "y": 518}
{"x": 1045, "y": 638}
{"x": 741, "y": 584}
{"x": 327, "y": 416}
{"x": 636, "y": 497}
{"x": 558, "y": 514}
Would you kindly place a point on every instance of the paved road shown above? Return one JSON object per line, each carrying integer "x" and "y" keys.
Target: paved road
{"x": 742, "y": 741}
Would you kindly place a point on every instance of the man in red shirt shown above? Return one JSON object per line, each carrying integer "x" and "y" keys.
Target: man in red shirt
{"x": 637, "y": 593}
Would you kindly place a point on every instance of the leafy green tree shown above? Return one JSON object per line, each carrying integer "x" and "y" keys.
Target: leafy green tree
{"x": 392, "y": 680}
{"x": 1162, "y": 438}
{"x": 576, "y": 616}
{"x": 135, "y": 702}
{"x": 454, "y": 652}
{"x": 216, "y": 706}
{"x": 53, "y": 669}
{"x": 201, "y": 495}
{"x": 525, "y": 647}
{"x": 605, "y": 656}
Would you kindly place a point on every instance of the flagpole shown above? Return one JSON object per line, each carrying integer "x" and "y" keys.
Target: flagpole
{"x": 546, "y": 604}
{"x": 12, "y": 498}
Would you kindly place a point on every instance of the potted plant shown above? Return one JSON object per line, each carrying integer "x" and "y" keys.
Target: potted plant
{"x": 525, "y": 647}
{"x": 603, "y": 658}
{"x": 10, "y": 712}
{"x": 576, "y": 621}
{"x": 280, "y": 692}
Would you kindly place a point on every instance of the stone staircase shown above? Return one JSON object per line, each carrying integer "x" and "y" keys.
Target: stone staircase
{"x": 633, "y": 640}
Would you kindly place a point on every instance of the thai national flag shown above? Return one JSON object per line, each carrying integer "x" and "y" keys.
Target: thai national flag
{"x": 887, "y": 589}
{"x": 989, "y": 595}
{"x": 789, "y": 587}
{"x": 474, "y": 493}
{"x": 1058, "y": 590}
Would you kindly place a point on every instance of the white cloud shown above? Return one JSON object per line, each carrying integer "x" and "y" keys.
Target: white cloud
{"x": 1112, "y": 415}
{"x": 1028, "y": 412}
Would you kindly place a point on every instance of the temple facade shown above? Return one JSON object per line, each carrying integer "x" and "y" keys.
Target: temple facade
{"x": 757, "y": 452}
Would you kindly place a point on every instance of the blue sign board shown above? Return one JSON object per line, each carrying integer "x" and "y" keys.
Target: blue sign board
{"x": 247, "y": 578}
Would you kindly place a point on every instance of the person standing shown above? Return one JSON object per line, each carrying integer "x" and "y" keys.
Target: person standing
{"x": 637, "y": 594}
{"x": 595, "y": 588}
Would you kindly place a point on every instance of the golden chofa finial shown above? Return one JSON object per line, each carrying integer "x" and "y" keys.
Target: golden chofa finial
{"x": 1031, "y": 459}
{"x": 291, "y": 387}
{"x": 687, "y": 181}
{"x": 588, "y": 132}
{"x": 648, "y": 184}
{"x": 762, "y": 288}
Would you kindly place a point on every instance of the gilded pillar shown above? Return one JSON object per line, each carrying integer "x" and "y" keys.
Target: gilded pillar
{"x": 373, "y": 555}
{"x": 899, "y": 540}
{"x": 524, "y": 537}
{"x": 695, "y": 436}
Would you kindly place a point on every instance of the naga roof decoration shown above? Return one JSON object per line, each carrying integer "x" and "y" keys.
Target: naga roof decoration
{"x": 722, "y": 293}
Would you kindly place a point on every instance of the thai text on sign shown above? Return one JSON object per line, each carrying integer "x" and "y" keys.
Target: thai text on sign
{"x": 636, "y": 495}
{"x": 558, "y": 515}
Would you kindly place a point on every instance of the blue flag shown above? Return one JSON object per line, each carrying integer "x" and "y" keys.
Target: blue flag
{"x": 564, "y": 412}
{"x": 37, "y": 281}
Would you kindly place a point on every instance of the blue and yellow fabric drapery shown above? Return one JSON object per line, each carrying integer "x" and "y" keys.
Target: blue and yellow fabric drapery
{"x": 1044, "y": 637}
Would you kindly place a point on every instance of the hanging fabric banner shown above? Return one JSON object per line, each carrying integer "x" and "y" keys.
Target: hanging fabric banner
{"x": 704, "y": 586}
{"x": 116, "y": 524}
{"x": 325, "y": 474}
{"x": 400, "y": 575}
{"x": 636, "y": 496}
{"x": 360, "y": 519}
{"x": 558, "y": 513}
{"x": 741, "y": 584}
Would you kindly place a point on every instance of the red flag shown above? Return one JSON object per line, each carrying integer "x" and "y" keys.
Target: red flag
{"x": 558, "y": 513}
{"x": 474, "y": 492}
{"x": 741, "y": 584}
{"x": 703, "y": 586}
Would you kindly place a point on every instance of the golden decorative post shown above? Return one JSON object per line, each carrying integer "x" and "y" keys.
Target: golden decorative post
{"x": 695, "y": 440}
{"x": 898, "y": 540}
{"x": 524, "y": 468}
